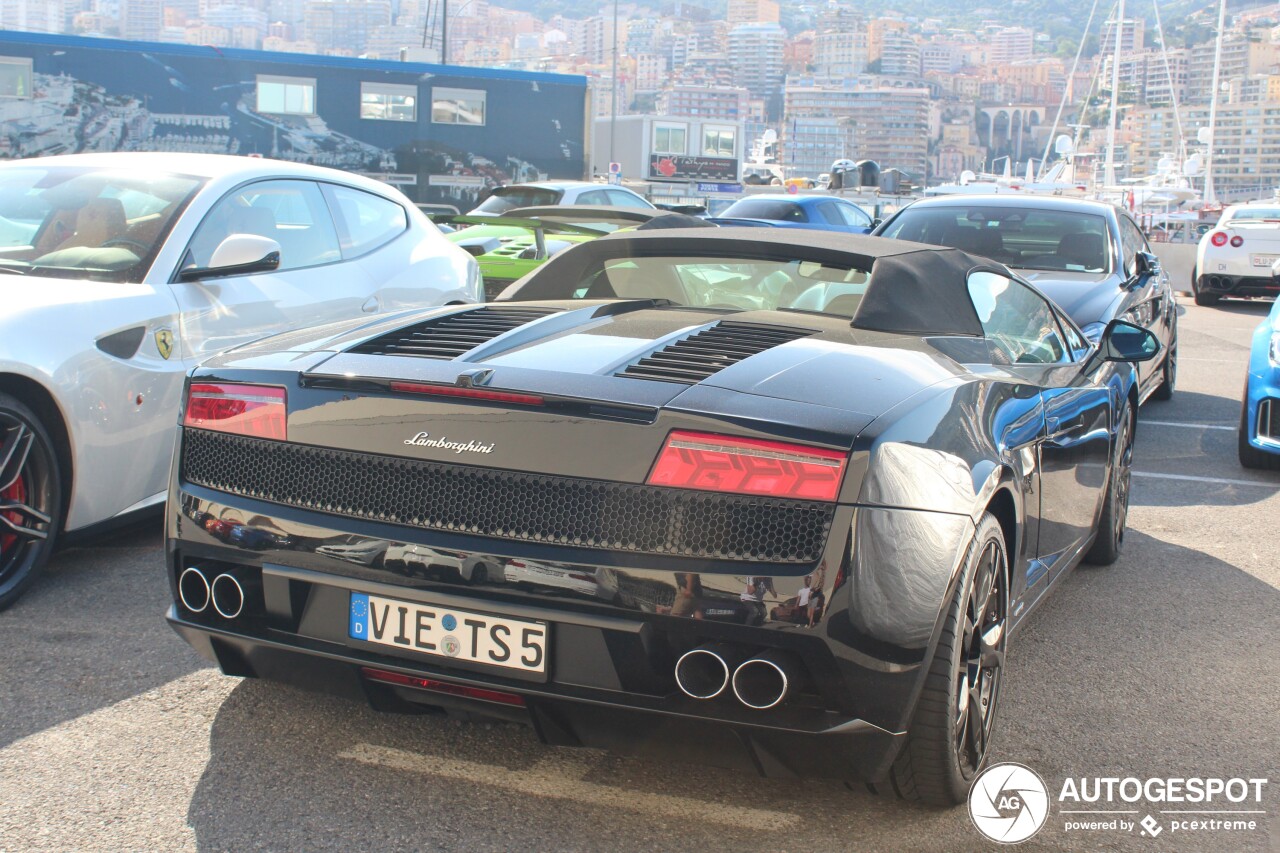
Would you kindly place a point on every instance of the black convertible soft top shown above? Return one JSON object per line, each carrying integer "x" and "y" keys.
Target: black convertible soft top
{"x": 913, "y": 288}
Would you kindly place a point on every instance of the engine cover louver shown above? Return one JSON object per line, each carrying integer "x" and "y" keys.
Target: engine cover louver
{"x": 692, "y": 359}
{"x": 453, "y": 335}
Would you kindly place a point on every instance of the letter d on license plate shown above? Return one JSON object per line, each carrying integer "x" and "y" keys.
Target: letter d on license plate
{"x": 449, "y": 632}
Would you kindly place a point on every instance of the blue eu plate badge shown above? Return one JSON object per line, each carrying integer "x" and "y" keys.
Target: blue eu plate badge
{"x": 359, "y": 616}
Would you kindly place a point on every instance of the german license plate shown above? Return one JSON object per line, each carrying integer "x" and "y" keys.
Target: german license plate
{"x": 462, "y": 635}
{"x": 1264, "y": 260}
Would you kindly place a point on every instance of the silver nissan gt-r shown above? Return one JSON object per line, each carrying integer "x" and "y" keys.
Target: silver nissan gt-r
{"x": 119, "y": 272}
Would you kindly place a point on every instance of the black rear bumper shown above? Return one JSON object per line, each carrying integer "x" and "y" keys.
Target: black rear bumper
{"x": 802, "y": 743}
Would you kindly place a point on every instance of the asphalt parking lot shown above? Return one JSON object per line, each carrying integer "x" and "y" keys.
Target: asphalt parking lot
{"x": 114, "y": 735}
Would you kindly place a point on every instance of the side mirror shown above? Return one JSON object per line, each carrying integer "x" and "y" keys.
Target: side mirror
{"x": 238, "y": 254}
{"x": 1147, "y": 264}
{"x": 1123, "y": 341}
{"x": 1275, "y": 270}
{"x": 877, "y": 222}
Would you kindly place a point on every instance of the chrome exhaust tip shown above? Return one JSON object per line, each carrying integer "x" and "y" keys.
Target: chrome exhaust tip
{"x": 228, "y": 596}
{"x": 767, "y": 680}
{"x": 193, "y": 590}
{"x": 704, "y": 672}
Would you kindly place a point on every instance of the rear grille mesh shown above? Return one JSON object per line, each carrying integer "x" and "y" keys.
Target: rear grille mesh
{"x": 453, "y": 335}
{"x": 705, "y": 353}
{"x": 509, "y": 505}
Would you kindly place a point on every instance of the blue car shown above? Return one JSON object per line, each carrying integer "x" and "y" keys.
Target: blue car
{"x": 817, "y": 212}
{"x": 1260, "y": 415}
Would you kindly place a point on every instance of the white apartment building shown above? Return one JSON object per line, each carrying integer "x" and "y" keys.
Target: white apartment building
{"x": 1011, "y": 44}
{"x": 755, "y": 56}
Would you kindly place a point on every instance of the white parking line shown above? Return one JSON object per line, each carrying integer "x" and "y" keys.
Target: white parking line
{"x": 1186, "y": 426}
{"x": 1216, "y": 481}
{"x": 560, "y": 777}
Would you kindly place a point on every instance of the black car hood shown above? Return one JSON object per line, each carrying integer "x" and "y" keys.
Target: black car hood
{"x": 1086, "y": 297}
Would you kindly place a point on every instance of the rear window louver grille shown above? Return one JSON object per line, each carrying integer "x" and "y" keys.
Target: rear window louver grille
{"x": 453, "y": 335}
{"x": 692, "y": 359}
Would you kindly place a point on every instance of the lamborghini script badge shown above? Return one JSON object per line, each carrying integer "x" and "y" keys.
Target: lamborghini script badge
{"x": 164, "y": 343}
{"x": 423, "y": 439}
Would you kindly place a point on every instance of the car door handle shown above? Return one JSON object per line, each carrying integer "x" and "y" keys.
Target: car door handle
{"x": 1058, "y": 431}
{"x": 370, "y": 305}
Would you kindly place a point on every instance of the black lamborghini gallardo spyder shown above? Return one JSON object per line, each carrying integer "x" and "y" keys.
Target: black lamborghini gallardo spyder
{"x": 775, "y": 500}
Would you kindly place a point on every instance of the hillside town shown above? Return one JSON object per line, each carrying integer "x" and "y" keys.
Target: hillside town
{"x": 930, "y": 99}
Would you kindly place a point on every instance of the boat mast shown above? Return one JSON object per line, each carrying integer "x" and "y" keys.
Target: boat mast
{"x": 1209, "y": 195}
{"x": 1109, "y": 174}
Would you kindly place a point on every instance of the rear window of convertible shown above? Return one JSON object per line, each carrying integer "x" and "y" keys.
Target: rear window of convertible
{"x": 735, "y": 283}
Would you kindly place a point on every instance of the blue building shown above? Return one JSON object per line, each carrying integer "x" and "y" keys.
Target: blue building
{"x": 440, "y": 133}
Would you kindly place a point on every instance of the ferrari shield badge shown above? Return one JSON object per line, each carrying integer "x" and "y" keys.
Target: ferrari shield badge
{"x": 164, "y": 343}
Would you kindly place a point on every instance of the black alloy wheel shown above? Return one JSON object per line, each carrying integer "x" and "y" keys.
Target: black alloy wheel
{"x": 30, "y": 498}
{"x": 1202, "y": 297}
{"x": 950, "y": 735}
{"x": 1250, "y": 456}
{"x": 1168, "y": 374}
{"x": 1115, "y": 509}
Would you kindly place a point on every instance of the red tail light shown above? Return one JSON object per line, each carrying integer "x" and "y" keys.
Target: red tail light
{"x": 467, "y": 393}
{"x": 254, "y": 410}
{"x": 1218, "y": 238}
{"x": 717, "y": 463}
{"x": 484, "y": 695}
{"x": 1237, "y": 241}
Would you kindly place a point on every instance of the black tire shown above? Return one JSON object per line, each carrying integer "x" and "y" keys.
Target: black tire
{"x": 1169, "y": 375}
{"x": 947, "y": 741}
{"x": 1202, "y": 298}
{"x": 1250, "y": 456}
{"x": 1115, "y": 507}
{"x": 30, "y": 498}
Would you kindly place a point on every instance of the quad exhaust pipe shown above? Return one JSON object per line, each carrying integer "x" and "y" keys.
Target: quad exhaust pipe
{"x": 761, "y": 682}
{"x": 767, "y": 680}
{"x": 705, "y": 672}
{"x": 227, "y": 592}
{"x": 193, "y": 590}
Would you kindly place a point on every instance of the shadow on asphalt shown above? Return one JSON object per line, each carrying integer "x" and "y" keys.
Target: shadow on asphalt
{"x": 1123, "y": 672}
{"x": 90, "y": 632}
{"x": 1244, "y": 307}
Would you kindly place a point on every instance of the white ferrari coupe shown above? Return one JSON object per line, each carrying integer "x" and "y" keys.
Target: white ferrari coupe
{"x": 120, "y": 272}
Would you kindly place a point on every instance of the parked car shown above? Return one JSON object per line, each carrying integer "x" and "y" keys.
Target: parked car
{"x": 122, "y": 271}
{"x": 816, "y": 212}
{"x": 1259, "y": 443}
{"x": 1234, "y": 258}
{"x": 548, "y": 193}
{"x": 510, "y": 246}
{"x": 927, "y": 454}
{"x": 1090, "y": 258}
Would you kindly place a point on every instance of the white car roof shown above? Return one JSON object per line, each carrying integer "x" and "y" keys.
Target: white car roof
{"x": 211, "y": 166}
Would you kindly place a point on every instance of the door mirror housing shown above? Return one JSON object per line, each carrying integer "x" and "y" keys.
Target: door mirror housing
{"x": 1146, "y": 263}
{"x": 238, "y": 254}
{"x": 1125, "y": 341}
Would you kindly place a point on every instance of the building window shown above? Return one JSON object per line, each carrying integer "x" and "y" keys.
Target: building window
{"x": 718, "y": 142}
{"x": 15, "y": 77}
{"x": 389, "y": 102}
{"x": 294, "y": 96}
{"x": 669, "y": 139}
{"x": 458, "y": 106}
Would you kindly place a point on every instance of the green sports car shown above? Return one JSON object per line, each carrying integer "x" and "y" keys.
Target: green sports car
{"x": 519, "y": 241}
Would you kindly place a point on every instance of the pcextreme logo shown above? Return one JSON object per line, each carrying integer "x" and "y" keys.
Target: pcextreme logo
{"x": 1009, "y": 803}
